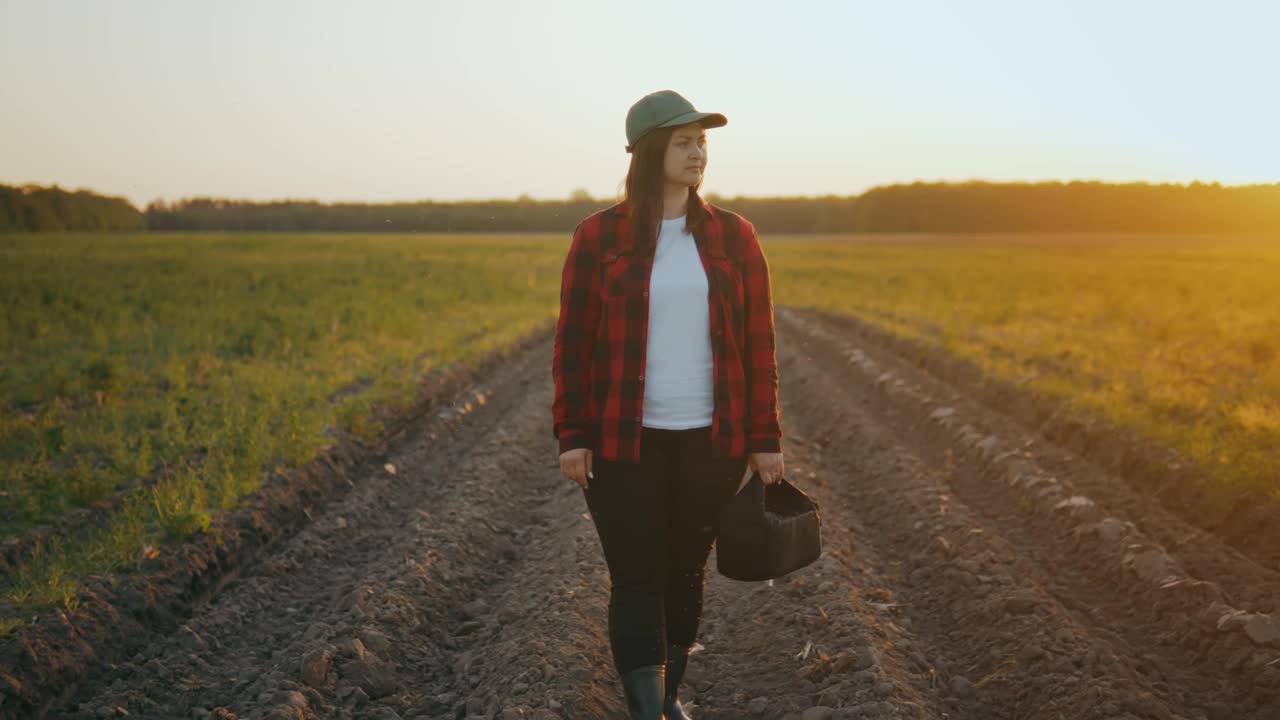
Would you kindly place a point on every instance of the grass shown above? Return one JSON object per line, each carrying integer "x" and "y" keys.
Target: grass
{"x": 1172, "y": 336}
{"x": 182, "y": 369}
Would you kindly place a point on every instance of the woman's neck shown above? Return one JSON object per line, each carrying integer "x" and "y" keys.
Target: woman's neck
{"x": 675, "y": 201}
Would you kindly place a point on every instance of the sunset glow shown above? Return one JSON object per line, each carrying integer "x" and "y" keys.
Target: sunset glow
{"x": 413, "y": 100}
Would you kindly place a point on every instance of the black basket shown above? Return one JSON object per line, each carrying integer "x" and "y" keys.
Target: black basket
{"x": 767, "y": 531}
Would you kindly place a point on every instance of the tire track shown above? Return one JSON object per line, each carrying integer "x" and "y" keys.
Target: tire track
{"x": 1244, "y": 579}
{"x": 364, "y": 613}
{"x": 470, "y": 584}
{"x": 1156, "y": 661}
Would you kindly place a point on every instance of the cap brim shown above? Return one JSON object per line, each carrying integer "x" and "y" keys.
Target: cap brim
{"x": 705, "y": 119}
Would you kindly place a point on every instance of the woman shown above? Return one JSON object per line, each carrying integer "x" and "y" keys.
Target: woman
{"x": 666, "y": 388}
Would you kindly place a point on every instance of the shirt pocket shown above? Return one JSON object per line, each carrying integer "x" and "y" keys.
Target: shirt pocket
{"x": 622, "y": 275}
{"x": 727, "y": 281}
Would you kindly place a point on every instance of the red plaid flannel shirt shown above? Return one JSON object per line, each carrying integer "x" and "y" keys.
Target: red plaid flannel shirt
{"x": 600, "y": 343}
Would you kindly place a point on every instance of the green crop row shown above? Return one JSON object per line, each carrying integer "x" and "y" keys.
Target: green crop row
{"x": 1175, "y": 337}
{"x": 174, "y": 372}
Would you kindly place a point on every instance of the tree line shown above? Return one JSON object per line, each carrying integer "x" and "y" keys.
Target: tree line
{"x": 523, "y": 214}
{"x": 916, "y": 207}
{"x": 36, "y": 208}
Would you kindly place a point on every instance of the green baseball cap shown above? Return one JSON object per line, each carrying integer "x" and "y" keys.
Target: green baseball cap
{"x": 665, "y": 108}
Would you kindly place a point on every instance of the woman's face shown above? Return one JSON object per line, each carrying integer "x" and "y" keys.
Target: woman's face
{"x": 686, "y": 158}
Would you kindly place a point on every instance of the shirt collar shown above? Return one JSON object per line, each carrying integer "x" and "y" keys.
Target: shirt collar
{"x": 709, "y": 238}
{"x": 623, "y": 207}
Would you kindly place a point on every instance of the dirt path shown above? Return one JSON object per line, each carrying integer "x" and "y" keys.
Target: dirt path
{"x": 470, "y": 583}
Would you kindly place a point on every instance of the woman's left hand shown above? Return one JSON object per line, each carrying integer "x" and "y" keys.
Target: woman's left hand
{"x": 769, "y": 465}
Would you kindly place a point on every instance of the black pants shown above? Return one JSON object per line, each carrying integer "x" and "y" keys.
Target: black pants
{"x": 657, "y": 519}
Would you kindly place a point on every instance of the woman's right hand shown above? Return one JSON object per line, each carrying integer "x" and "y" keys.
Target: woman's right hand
{"x": 576, "y": 465}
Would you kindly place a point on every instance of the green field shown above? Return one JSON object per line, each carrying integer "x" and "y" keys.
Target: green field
{"x": 201, "y": 362}
{"x": 187, "y": 367}
{"x": 1175, "y": 337}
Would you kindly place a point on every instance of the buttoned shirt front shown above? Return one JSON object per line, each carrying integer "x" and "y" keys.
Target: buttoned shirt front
{"x": 599, "y": 354}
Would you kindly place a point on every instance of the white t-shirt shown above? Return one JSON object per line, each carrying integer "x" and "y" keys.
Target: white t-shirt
{"x": 678, "y": 362}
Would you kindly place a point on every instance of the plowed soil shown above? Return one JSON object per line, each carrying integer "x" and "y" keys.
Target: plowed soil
{"x": 971, "y": 570}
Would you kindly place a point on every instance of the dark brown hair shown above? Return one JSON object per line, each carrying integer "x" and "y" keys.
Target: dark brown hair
{"x": 645, "y": 181}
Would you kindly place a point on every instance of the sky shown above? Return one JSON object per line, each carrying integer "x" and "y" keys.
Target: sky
{"x": 388, "y": 101}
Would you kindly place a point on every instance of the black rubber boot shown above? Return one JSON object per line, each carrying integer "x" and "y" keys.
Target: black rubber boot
{"x": 644, "y": 688}
{"x": 677, "y": 660}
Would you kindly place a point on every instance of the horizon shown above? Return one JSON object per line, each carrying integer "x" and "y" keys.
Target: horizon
{"x": 594, "y": 198}
{"x": 417, "y": 102}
